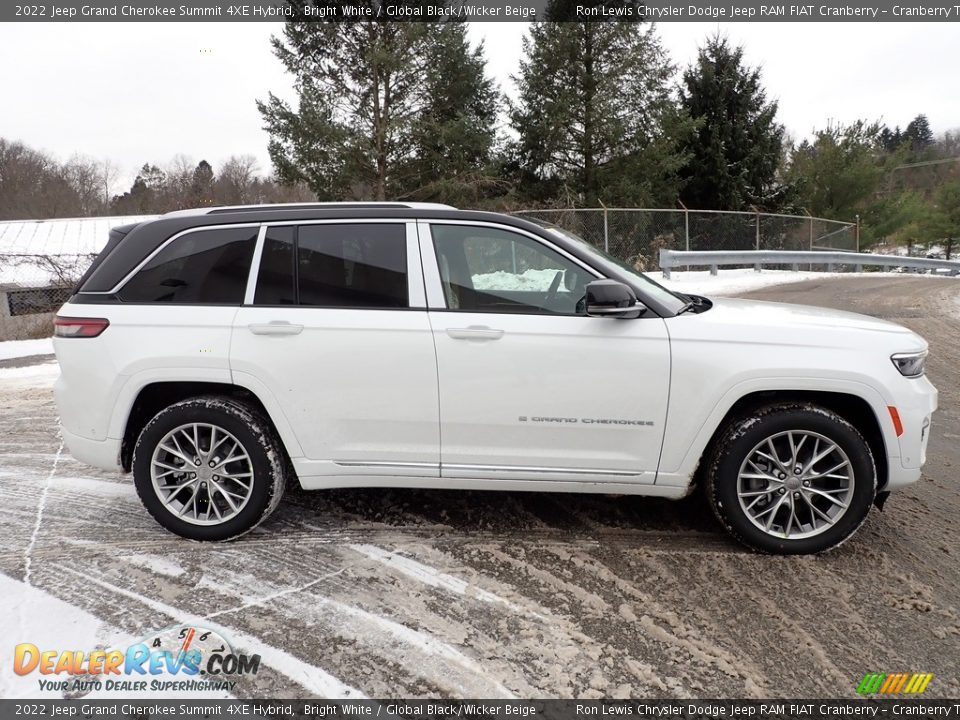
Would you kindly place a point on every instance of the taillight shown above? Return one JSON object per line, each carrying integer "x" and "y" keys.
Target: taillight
{"x": 74, "y": 327}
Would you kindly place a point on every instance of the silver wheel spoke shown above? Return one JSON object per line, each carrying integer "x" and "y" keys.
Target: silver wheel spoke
{"x": 828, "y": 473}
{"x": 826, "y": 495}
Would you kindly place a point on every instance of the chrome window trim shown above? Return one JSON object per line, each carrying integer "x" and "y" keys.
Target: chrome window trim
{"x": 416, "y": 292}
{"x": 435, "y": 296}
{"x": 201, "y": 228}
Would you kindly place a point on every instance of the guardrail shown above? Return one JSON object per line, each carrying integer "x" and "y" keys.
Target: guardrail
{"x": 670, "y": 259}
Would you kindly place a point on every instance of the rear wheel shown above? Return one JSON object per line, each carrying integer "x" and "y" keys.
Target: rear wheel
{"x": 791, "y": 479}
{"x": 208, "y": 468}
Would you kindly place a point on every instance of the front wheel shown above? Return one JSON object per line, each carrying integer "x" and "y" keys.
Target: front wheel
{"x": 791, "y": 479}
{"x": 208, "y": 468}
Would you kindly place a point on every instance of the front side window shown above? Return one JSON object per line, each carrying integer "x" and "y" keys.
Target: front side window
{"x": 359, "y": 265}
{"x": 485, "y": 269}
{"x": 203, "y": 267}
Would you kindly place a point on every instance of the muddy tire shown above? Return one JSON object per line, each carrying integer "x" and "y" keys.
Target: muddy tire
{"x": 791, "y": 478}
{"x": 209, "y": 468}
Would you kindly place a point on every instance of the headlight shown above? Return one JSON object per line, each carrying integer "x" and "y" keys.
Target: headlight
{"x": 912, "y": 364}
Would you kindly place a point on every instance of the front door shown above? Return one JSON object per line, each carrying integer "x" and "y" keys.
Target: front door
{"x": 530, "y": 387}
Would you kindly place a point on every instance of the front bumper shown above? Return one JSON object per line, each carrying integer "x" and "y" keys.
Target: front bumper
{"x": 915, "y": 407}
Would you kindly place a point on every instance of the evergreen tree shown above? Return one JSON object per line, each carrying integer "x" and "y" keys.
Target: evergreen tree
{"x": 945, "y": 222}
{"x": 454, "y": 136}
{"x": 735, "y": 149}
{"x": 201, "y": 185}
{"x": 920, "y": 137}
{"x": 594, "y": 116}
{"x": 840, "y": 172}
{"x": 376, "y": 116}
{"x": 891, "y": 139}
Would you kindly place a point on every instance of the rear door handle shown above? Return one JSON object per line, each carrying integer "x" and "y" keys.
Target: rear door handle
{"x": 475, "y": 332}
{"x": 275, "y": 327}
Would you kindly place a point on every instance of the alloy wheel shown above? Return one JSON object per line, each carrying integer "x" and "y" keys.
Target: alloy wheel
{"x": 795, "y": 484}
{"x": 201, "y": 473}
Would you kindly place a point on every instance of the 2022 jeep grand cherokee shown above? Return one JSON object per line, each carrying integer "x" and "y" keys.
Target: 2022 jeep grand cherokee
{"x": 217, "y": 352}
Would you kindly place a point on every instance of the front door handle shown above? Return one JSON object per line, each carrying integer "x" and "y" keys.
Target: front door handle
{"x": 275, "y": 327}
{"x": 475, "y": 332}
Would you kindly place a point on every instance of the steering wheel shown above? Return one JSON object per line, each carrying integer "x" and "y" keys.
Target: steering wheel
{"x": 552, "y": 290}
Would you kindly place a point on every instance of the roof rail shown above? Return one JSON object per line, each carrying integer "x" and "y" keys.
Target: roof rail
{"x": 309, "y": 206}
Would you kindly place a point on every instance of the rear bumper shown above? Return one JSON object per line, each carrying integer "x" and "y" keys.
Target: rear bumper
{"x": 104, "y": 454}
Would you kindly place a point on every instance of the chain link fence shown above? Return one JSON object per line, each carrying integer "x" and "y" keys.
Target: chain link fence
{"x": 636, "y": 235}
{"x": 41, "y": 261}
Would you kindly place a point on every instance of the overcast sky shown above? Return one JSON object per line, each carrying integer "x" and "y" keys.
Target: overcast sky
{"x": 144, "y": 92}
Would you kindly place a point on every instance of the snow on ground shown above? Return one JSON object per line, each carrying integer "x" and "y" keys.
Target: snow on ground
{"x": 25, "y": 348}
{"x": 731, "y": 282}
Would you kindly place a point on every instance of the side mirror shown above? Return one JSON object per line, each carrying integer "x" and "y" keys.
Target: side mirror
{"x": 609, "y": 298}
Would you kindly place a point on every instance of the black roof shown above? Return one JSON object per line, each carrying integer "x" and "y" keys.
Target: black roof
{"x": 139, "y": 241}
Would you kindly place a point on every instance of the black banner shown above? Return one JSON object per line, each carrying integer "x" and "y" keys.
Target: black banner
{"x": 481, "y": 709}
{"x": 479, "y": 10}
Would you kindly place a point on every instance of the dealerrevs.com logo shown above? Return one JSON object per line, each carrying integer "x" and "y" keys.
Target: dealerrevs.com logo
{"x": 180, "y": 658}
{"x": 894, "y": 683}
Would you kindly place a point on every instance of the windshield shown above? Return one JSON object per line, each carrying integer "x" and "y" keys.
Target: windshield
{"x": 675, "y": 302}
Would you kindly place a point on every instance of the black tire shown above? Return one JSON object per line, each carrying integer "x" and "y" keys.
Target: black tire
{"x": 743, "y": 434}
{"x": 267, "y": 458}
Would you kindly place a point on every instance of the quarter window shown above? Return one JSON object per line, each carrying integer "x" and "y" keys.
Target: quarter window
{"x": 203, "y": 267}
{"x": 489, "y": 270}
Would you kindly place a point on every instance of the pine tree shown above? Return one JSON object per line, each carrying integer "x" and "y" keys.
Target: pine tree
{"x": 454, "y": 136}
{"x": 839, "y": 172}
{"x": 357, "y": 85}
{"x": 594, "y": 116}
{"x": 920, "y": 137}
{"x": 384, "y": 109}
{"x": 736, "y": 148}
{"x": 201, "y": 185}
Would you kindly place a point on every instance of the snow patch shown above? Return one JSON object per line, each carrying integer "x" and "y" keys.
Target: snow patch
{"x": 25, "y": 348}
{"x": 433, "y": 577}
{"x": 35, "y": 616}
{"x": 731, "y": 282}
{"x": 97, "y": 487}
{"x": 531, "y": 280}
{"x": 31, "y": 374}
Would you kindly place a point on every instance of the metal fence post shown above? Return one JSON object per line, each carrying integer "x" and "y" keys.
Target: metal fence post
{"x": 757, "y": 266}
{"x": 686, "y": 226}
{"x": 606, "y": 228}
{"x": 858, "y": 232}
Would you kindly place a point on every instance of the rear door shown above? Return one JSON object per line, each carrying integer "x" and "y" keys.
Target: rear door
{"x": 335, "y": 327}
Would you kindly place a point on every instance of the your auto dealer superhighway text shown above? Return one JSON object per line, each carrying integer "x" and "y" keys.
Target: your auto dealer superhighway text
{"x": 770, "y": 11}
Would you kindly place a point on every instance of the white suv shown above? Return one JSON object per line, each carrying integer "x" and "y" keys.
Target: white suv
{"x": 217, "y": 353}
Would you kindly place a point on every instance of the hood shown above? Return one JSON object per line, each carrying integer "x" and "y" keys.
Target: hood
{"x": 763, "y": 322}
{"x": 774, "y": 313}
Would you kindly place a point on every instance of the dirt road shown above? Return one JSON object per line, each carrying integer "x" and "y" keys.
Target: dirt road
{"x": 467, "y": 594}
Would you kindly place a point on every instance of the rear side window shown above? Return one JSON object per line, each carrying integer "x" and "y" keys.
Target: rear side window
{"x": 360, "y": 265}
{"x": 204, "y": 267}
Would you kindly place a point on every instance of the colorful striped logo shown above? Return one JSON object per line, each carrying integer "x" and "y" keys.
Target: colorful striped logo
{"x": 894, "y": 683}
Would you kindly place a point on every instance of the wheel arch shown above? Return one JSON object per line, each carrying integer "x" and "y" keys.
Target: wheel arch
{"x": 851, "y": 407}
{"x": 155, "y": 396}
